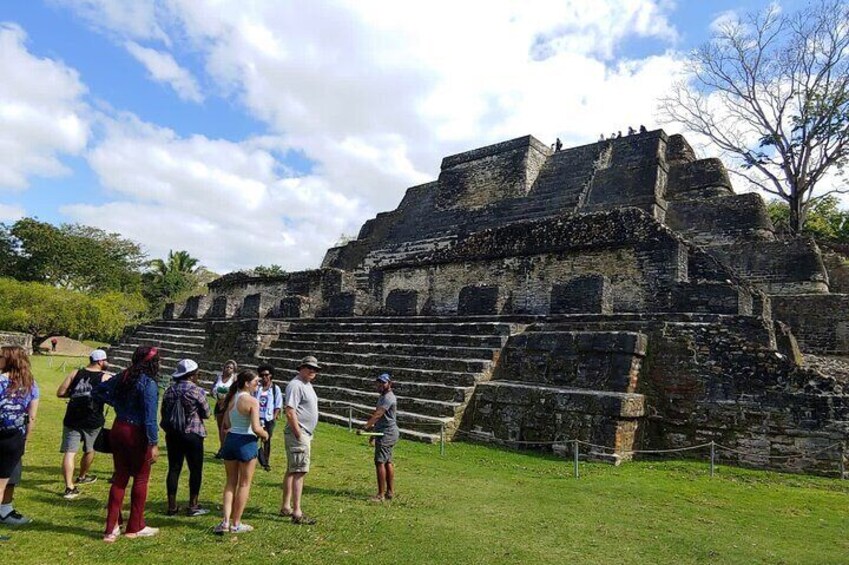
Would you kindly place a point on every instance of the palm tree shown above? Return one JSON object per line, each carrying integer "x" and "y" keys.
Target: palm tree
{"x": 178, "y": 262}
{"x": 171, "y": 279}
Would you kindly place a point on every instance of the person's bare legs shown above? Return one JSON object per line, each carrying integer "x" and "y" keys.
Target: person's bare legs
{"x": 8, "y": 493}
{"x": 246, "y": 475}
{"x": 286, "y": 505}
{"x": 232, "y": 470}
{"x": 390, "y": 479}
{"x": 380, "y": 470}
{"x": 219, "y": 420}
{"x": 68, "y": 469}
{"x": 297, "y": 489}
{"x": 85, "y": 463}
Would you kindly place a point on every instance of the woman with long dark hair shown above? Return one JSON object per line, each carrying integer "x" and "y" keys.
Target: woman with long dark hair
{"x": 240, "y": 450}
{"x": 18, "y": 408}
{"x": 134, "y": 438}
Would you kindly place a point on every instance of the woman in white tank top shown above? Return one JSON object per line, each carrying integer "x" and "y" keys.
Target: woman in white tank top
{"x": 239, "y": 452}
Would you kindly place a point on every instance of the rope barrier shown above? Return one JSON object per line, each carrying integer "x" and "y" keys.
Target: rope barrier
{"x": 778, "y": 457}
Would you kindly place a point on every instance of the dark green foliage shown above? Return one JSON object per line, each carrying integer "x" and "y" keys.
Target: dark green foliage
{"x": 174, "y": 279}
{"x": 825, "y": 220}
{"x": 43, "y": 309}
{"x": 70, "y": 256}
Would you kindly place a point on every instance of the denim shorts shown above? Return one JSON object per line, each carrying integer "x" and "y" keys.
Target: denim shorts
{"x": 239, "y": 447}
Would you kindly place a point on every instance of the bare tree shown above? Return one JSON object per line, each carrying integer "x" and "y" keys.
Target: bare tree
{"x": 772, "y": 89}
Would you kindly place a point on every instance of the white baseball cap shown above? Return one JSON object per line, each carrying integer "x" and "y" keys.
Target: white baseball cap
{"x": 97, "y": 355}
{"x": 184, "y": 367}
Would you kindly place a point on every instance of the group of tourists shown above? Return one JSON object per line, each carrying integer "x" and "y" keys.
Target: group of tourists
{"x": 247, "y": 405}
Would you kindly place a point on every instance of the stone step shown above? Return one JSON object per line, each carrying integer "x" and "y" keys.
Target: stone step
{"x": 358, "y": 423}
{"x": 419, "y": 406}
{"x": 472, "y": 341}
{"x": 406, "y": 420}
{"x": 432, "y": 391}
{"x": 386, "y": 360}
{"x": 426, "y": 376}
{"x": 164, "y": 327}
{"x": 398, "y": 325}
{"x": 382, "y": 348}
{"x": 170, "y": 336}
{"x": 162, "y": 345}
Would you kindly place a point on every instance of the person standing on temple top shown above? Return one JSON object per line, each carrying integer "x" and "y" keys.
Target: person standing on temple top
{"x": 643, "y": 129}
{"x": 301, "y": 409}
{"x": 240, "y": 451}
{"x": 18, "y": 409}
{"x": 220, "y": 388}
{"x": 184, "y": 408}
{"x": 383, "y": 420}
{"x": 270, "y": 405}
{"x": 558, "y": 145}
{"x": 83, "y": 419}
{"x": 134, "y": 439}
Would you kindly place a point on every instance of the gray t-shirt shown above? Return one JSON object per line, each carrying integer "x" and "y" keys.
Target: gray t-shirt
{"x": 387, "y": 423}
{"x": 301, "y": 396}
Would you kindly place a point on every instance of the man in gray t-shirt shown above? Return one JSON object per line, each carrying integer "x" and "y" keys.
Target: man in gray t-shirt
{"x": 301, "y": 407}
{"x": 383, "y": 420}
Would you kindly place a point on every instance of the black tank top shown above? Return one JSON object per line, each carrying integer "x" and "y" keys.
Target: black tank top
{"x": 84, "y": 412}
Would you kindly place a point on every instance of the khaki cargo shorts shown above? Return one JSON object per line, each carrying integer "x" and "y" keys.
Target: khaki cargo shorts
{"x": 297, "y": 452}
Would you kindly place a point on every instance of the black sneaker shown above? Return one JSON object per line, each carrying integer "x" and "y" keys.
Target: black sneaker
{"x": 87, "y": 480}
{"x": 14, "y": 518}
{"x": 71, "y": 493}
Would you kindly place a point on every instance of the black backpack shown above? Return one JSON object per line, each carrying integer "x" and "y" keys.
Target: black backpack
{"x": 175, "y": 418}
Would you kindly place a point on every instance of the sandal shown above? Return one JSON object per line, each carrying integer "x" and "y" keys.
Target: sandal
{"x": 173, "y": 511}
{"x": 303, "y": 520}
{"x": 285, "y": 514}
{"x": 376, "y": 498}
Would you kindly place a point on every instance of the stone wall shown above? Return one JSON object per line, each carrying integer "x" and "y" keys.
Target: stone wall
{"x": 721, "y": 220}
{"x": 17, "y": 338}
{"x": 819, "y": 322}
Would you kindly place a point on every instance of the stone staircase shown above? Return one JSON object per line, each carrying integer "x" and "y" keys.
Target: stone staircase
{"x": 435, "y": 363}
{"x": 175, "y": 339}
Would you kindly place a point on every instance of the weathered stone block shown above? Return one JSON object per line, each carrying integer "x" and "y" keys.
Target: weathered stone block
{"x": 168, "y": 311}
{"x": 219, "y": 309}
{"x": 293, "y": 307}
{"x": 340, "y": 305}
{"x": 587, "y": 294}
{"x": 478, "y": 300}
{"x": 196, "y": 307}
{"x": 402, "y": 303}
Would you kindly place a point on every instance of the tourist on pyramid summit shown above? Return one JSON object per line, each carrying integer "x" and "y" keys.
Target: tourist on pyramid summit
{"x": 134, "y": 439}
{"x": 83, "y": 419}
{"x": 301, "y": 409}
{"x": 184, "y": 408}
{"x": 18, "y": 408}
{"x": 220, "y": 388}
{"x": 383, "y": 421}
{"x": 240, "y": 450}
{"x": 270, "y": 405}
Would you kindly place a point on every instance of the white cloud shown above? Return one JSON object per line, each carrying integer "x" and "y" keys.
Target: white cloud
{"x": 163, "y": 68}
{"x": 375, "y": 94}
{"x": 10, "y": 213}
{"x": 41, "y": 112}
{"x": 137, "y": 19}
{"x": 228, "y": 203}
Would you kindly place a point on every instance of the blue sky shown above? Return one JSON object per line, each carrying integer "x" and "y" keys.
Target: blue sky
{"x": 259, "y": 132}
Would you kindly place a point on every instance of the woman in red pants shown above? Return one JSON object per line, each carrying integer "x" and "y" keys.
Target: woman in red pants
{"x": 134, "y": 437}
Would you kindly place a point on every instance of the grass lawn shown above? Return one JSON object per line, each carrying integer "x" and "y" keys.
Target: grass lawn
{"x": 474, "y": 505}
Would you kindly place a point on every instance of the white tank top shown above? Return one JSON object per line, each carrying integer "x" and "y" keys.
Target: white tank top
{"x": 240, "y": 423}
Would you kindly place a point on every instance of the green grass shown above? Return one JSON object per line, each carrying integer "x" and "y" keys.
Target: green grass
{"x": 474, "y": 505}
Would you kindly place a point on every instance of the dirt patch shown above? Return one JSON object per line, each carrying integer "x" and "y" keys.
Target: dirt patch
{"x": 65, "y": 346}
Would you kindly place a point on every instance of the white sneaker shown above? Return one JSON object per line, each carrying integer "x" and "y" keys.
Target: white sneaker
{"x": 241, "y": 529}
{"x": 146, "y": 532}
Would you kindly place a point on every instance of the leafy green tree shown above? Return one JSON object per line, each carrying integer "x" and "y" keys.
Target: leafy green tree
{"x": 174, "y": 279}
{"x": 43, "y": 309}
{"x": 272, "y": 270}
{"x": 70, "y": 256}
{"x": 772, "y": 90}
{"x": 825, "y": 219}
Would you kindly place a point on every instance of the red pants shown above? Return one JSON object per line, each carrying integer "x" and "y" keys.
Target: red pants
{"x": 131, "y": 454}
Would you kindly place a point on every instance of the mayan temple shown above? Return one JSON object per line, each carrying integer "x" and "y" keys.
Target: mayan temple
{"x": 618, "y": 292}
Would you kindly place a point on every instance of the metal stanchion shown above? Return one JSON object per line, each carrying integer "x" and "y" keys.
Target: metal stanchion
{"x": 575, "y": 452}
{"x": 442, "y": 439}
{"x": 842, "y": 462}
{"x": 350, "y": 419}
{"x": 712, "y": 456}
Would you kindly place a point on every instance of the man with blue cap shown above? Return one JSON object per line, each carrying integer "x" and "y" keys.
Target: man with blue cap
{"x": 383, "y": 420}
